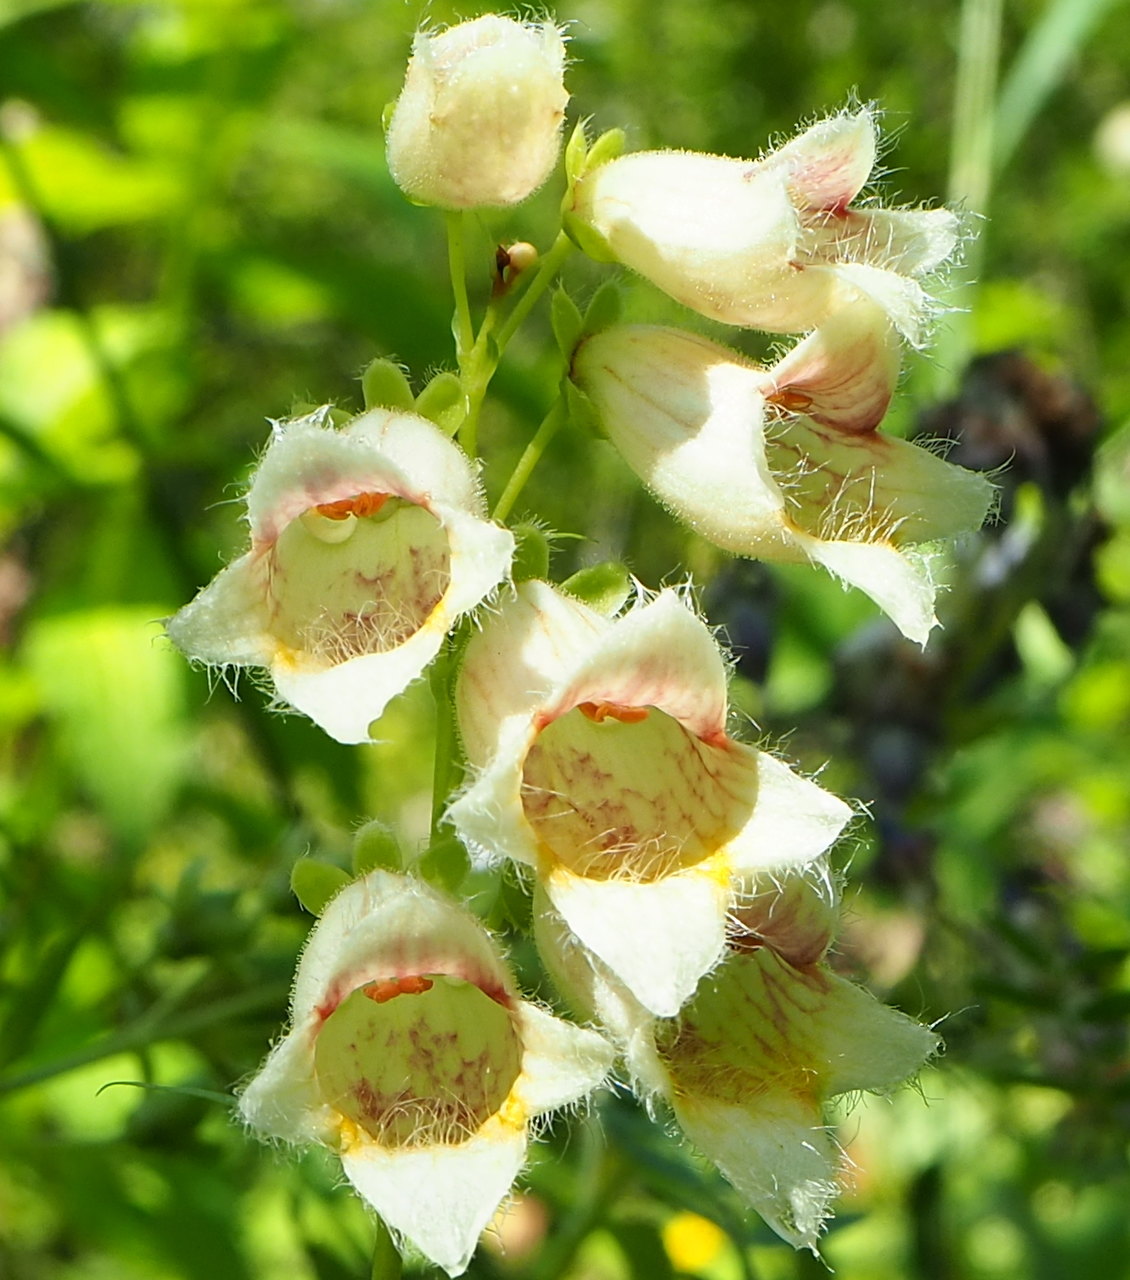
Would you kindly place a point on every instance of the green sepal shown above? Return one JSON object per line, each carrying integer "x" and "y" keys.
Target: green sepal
{"x": 604, "y": 587}
{"x": 607, "y": 147}
{"x": 604, "y": 309}
{"x": 576, "y": 153}
{"x": 531, "y": 554}
{"x": 588, "y": 240}
{"x": 314, "y": 883}
{"x": 442, "y": 401}
{"x": 338, "y": 417}
{"x": 385, "y": 385}
{"x": 386, "y": 115}
{"x": 375, "y": 846}
{"x": 567, "y": 321}
{"x": 582, "y": 411}
{"x": 445, "y": 862}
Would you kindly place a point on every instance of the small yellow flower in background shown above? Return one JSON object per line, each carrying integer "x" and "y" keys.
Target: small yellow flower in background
{"x": 771, "y": 244}
{"x": 602, "y": 762}
{"x": 367, "y": 544}
{"x": 410, "y": 1054}
{"x": 784, "y": 463}
{"x": 478, "y": 122}
{"x": 768, "y": 1037}
{"x": 691, "y": 1241}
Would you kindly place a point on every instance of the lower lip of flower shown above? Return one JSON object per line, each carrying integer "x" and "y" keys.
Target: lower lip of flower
{"x": 357, "y": 576}
{"x": 417, "y": 1060}
{"x": 627, "y": 793}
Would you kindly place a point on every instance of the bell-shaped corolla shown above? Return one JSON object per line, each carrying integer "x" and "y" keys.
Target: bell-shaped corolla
{"x": 601, "y": 760}
{"x": 478, "y": 122}
{"x": 411, "y": 1055}
{"x": 767, "y": 1039}
{"x": 771, "y": 244}
{"x": 367, "y": 544}
{"x": 784, "y": 463}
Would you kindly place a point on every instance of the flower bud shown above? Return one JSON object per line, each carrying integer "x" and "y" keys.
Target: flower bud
{"x": 478, "y": 121}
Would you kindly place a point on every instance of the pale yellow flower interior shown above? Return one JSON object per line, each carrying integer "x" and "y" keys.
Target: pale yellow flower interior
{"x": 749, "y": 1032}
{"x": 418, "y": 1060}
{"x": 357, "y": 576}
{"x": 627, "y": 793}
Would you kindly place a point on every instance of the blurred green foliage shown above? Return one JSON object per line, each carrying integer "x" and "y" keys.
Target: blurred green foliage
{"x": 197, "y": 231}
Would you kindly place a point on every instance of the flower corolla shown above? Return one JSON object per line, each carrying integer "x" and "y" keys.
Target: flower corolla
{"x": 478, "y": 122}
{"x": 784, "y": 463}
{"x": 602, "y": 761}
{"x": 367, "y": 544}
{"x": 771, "y": 244}
{"x": 767, "y": 1039}
{"x": 411, "y": 1055}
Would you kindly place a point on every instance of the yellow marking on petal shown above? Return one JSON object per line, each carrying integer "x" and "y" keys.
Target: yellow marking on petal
{"x": 512, "y": 1114}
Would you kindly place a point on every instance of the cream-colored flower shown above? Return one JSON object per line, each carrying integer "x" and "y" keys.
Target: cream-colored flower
{"x": 367, "y": 545}
{"x": 602, "y": 761}
{"x": 478, "y": 121}
{"x": 765, "y": 1041}
{"x": 410, "y": 1054}
{"x": 784, "y": 463}
{"x": 770, "y": 244}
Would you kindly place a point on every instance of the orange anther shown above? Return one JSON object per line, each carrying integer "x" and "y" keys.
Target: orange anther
{"x": 598, "y": 712}
{"x": 385, "y": 989}
{"x": 793, "y": 401}
{"x": 361, "y": 504}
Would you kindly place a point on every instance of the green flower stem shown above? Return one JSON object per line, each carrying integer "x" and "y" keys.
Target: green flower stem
{"x": 478, "y": 355}
{"x": 457, "y": 262}
{"x": 476, "y": 372}
{"x": 546, "y": 273}
{"x": 971, "y": 167}
{"x": 550, "y": 425}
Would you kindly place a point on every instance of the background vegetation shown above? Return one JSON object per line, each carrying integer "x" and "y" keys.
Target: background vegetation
{"x": 197, "y": 232}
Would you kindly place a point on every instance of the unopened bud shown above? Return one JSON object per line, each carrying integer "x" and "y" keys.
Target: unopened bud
{"x": 479, "y": 119}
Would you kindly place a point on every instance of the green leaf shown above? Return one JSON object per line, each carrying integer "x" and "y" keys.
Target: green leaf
{"x": 384, "y": 385}
{"x": 603, "y": 587}
{"x": 567, "y": 322}
{"x": 314, "y": 883}
{"x": 113, "y": 689}
{"x": 442, "y": 401}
